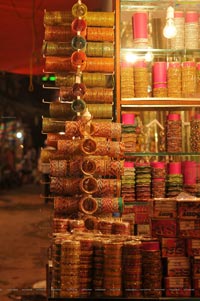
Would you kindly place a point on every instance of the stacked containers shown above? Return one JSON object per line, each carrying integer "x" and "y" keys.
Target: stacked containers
{"x": 178, "y": 41}
{"x": 140, "y": 29}
{"x": 141, "y": 79}
{"x": 191, "y": 30}
{"x": 158, "y": 179}
{"x": 129, "y": 132}
{"x": 174, "y": 81}
{"x": 127, "y": 80}
{"x": 132, "y": 268}
{"x": 189, "y": 81}
{"x": 189, "y": 176}
{"x": 174, "y": 179}
{"x": 160, "y": 79}
{"x": 173, "y": 133}
{"x": 113, "y": 268}
{"x": 195, "y": 133}
{"x": 128, "y": 192}
{"x": 152, "y": 277}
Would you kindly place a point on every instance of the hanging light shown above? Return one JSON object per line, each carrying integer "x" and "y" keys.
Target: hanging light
{"x": 169, "y": 30}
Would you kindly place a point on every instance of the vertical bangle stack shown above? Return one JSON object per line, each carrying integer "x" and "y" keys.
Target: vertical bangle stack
{"x": 86, "y": 165}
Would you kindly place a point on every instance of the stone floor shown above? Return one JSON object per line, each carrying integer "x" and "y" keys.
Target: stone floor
{"x": 25, "y": 236}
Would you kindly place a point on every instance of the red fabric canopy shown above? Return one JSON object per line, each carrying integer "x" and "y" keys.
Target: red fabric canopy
{"x": 22, "y": 32}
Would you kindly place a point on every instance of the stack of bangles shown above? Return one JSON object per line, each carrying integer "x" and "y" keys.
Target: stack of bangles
{"x": 106, "y": 129}
{"x": 89, "y": 146}
{"x": 90, "y": 205}
{"x": 113, "y": 270}
{"x": 92, "y": 95}
{"x": 106, "y": 167}
{"x": 63, "y": 168}
{"x": 86, "y": 146}
{"x": 97, "y": 129}
{"x": 88, "y": 185}
{"x": 87, "y": 166}
{"x": 65, "y": 205}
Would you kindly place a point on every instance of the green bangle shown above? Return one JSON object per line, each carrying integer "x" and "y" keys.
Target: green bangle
{"x": 121, "y": 204}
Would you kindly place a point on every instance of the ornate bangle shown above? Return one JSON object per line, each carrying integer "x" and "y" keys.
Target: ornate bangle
{"x": 91, "y": 222}
{"x": 88, "y": 166}
{"x": 88, "y": 205}
{"x": 88, "y": 146}
{"x": 88, "y": 185}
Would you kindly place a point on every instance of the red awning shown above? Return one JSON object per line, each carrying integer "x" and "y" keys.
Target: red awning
{"x": 22, "y": 32}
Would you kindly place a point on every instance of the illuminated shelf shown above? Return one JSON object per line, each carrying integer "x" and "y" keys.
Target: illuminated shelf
{"x": 153, "y": 102}
{"x": 162, "y": 154}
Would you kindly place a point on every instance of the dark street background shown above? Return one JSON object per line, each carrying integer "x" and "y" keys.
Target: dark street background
{"x": 25, "y": 234}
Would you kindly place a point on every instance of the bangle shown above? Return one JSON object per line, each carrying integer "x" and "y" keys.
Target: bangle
{"x": 88, "y": 205}
{"x": 88, "y": 146}
{"x": 78, "y": 105}
{"x": 88, "y": 166}
{"x": 91, "y": 222}
{"x": 88, "y": 185}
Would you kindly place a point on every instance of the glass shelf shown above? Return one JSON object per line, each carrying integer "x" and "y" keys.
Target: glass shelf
{"x": 154, "y": 50}
{"x": 154, "y": 4}
{"x": 153, "y": 102}
{"x": 161, "y": 154}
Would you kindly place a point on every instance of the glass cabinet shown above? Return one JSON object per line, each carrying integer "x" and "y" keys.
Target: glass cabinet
{"x": 158, "y": 73}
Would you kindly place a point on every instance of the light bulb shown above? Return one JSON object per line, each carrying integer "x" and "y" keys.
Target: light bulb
{"x": 19, "y": 135}
{"x": 169, "y": 30}
{"x": 131, "y": 58}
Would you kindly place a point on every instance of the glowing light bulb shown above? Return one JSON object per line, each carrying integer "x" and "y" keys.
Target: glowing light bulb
{"x": 169, "y": 30}
{"x": 131, "y": 58}
{"x": 19, "y": 135}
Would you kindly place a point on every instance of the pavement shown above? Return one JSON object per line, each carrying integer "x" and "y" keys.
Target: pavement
{"x": 25, "y": 237}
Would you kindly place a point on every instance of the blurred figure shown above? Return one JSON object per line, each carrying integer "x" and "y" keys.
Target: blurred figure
{"x": 9, "y": 176}
{"x": 44, "y": 169}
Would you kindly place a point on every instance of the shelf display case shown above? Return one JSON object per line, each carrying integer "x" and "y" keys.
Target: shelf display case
{"x": 158, "y": 101}
{"x": 158, "y": 76}
{"x": 162, "y": 72}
